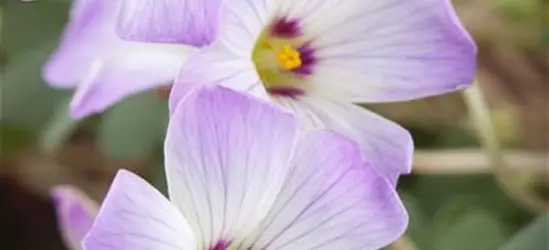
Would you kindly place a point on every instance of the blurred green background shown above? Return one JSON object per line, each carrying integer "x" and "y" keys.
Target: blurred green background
{"x": 457, "y": 198}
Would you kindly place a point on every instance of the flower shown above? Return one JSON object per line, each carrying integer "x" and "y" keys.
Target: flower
{"x": 320, "y": 58}
{"x": 240, "y": 176}
{"x": 104, "y": 68}
{"x": 75, "y": 212}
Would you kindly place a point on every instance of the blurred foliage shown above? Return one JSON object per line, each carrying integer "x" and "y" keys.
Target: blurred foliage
{"x": 532, "y": 237}
{"x": 447, "y": 212}
{"x": 134, "y": 127}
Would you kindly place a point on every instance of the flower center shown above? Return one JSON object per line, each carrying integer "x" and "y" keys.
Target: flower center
{"x": 282, "y": 59}
{"x": 289, "y": 58}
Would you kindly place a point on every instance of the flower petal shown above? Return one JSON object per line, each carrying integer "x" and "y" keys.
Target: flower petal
{"x": 377, "y": 51}
{"x": 241, "y": 23}
{"x": 89, "y": 33}
{"x": 138, "y": 68}
{"x": 216, "y": 65}
{"x": 228, "y": 60}
{"x": 191, "y": 22}
{"x": 332, "y": 199}
{"x": 386, "y": 144}
{"x": 136, "y": 216}
{"x": 75, "y": 213}
{"x": 226, "y": 156}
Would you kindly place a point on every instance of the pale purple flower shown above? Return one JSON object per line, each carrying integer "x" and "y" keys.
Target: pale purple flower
{"x": 75, "y": 214}
{"x": 319, "y": 57}
{"x": 241, "y": 177}
{"x": 102, "y": 67}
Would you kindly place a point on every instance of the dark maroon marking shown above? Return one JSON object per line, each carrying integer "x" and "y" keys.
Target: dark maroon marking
{"x": 221, "y": 245}
{"x": 308, "y": 60}
{"x": 286, "y": 28}
{"x": 285, "y": 92}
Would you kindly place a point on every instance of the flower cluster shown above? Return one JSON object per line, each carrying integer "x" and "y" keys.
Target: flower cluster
{"x": 266, "y": 146}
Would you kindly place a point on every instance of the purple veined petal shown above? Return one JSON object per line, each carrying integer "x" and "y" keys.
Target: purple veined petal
{"x": 331, "y": 199}
{"x": 226, "y": 156}
{"x": 242, "y": 21}
{"x": 386, "y": 144}
{"x": 136, "y": 216}
{"x": 89, "y": 34}
{"x": 393, "y": 50}
{"x": 191, "y": 22}
{"x": 75, "y": 214}
{"x": 216, "y": 65}
{"x": 138, "y": 68}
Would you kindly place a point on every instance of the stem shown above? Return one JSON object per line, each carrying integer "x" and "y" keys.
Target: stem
{"x": 480, "y": 115}
{"x": 59, "y": 128}
{"x": 404, "y": 243}
{"x": 475, "y": 161}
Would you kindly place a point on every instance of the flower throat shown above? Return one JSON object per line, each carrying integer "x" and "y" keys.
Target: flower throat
{"x": 282, "y": 59}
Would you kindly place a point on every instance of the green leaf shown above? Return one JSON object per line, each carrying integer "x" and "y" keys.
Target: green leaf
{"x": 134, "y": 127}
{"x": 26, "y": 99}
{"x": 476, "y": 230}
{"x": 419, "y": 228}
{"x": 29, "y": 24}
{"x": 482, "y": 191}
{"x": 458, "y": 138}
{"x": 533, "y": 237}
{"x": 12, "y": 139}
{"x": 158, "y": 178}
{"x": 30, "y": 32}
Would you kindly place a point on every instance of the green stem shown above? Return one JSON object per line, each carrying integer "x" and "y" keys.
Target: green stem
{"x": 480, "y": 115}
{"x": 59, "y": 128}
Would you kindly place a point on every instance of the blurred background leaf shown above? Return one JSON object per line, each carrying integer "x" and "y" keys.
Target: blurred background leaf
{"x": 134, "y": 127}
{"x": 474, "y": 230}
{"x": 26, "y": 100}
{"x": 533, "y": 237}
{"x": 420, "y": 227}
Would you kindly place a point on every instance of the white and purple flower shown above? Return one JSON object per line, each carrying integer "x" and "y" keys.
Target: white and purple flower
{"x": 103, "y": 68}
{"x": 75, "y": 214}
{"x": 320, "y": 57}
{"x": 242, "y": 177}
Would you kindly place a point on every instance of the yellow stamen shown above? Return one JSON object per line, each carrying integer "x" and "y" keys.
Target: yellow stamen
{"x": 289, "y": 58}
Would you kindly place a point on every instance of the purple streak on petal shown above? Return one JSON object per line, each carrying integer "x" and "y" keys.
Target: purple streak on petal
{"x": 308, "y": 60}
{"x": 286, "y": 28}
{"x": 221, "y": 245}
{"x": 190, "y": 22}
{"x": 288, "y": 92}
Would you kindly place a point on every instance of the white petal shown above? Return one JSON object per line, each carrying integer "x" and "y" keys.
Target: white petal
{"x": 332, "y": 199}
{"x": 192, "y": 22}
{"x": 386, "y": 144}
{"x": 136, "y": 68}
{"x": 375, "y": 51}
{"x": 226, "y": 156}
{"x": 216, "y": 65}
{"x": 136, "y": 216}
{"x": 88, "y": 35}
{"x": 75, "y": 214}
{"x": 241, "y": 23}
